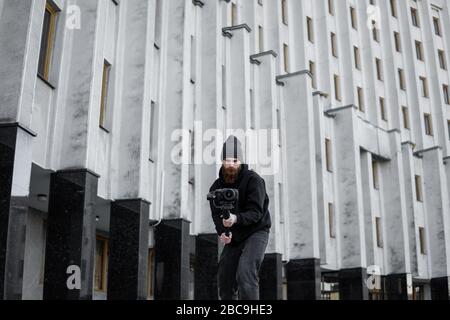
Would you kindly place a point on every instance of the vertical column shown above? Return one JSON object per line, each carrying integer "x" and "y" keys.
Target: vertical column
{"x": 239, "y": 69}
{"x": 271, "y": 277}
{"x": 303, "y": 269}
{"x": 350, "y": 206}
{"x": 205, "y": 277}
{"x": 172, "y": 260}
{"x": 70, "y": 234}
{"x": 15, "y": 173}
{"x": 438, "y": 228}
{"x": 128, "y": 251}
{"x": 396, "y": 221}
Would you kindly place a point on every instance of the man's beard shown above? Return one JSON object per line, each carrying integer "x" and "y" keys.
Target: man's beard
{"x": 230, "y": 174}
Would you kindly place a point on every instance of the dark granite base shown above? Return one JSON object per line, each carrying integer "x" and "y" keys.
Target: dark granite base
{"x": 206, "y": 263}
{"x": 396, "y": 287}
{"x": 70, "y": 233}
{"x": 440, "y": 288}
{"x": 172, "y": 262}
{"x": 303, "y": 279}
{"x": 128, "y": 250}
{"x": 352, "y": 285}
{"x": 271, "y": 277}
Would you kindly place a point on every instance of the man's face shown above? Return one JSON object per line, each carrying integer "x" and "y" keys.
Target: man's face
{"x": 231, "y": 169}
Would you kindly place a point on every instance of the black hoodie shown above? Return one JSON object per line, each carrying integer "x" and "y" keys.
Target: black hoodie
{"x": 252, "y": 210}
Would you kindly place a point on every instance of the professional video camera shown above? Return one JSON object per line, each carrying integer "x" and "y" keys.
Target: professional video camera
{"x": 224, "y": 200}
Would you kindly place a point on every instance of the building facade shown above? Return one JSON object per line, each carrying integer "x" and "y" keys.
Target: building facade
{"x": 94, "y": 95}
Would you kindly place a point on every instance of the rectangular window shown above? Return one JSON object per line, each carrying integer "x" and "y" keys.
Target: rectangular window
{"x": 47, "y": 40}
{"x": 442, "y": 60}
{"x": 424, "y": 82}
{"x": 286, "y": 58}
{"x": 415, "y": 17}
{"x": 446, "y": 94}
{"x": 357, "y": 58}
{"x": 104, "y": 95}
{"x": 101, "y": 264}
{"x": 376, "y": 183}
{"x": 328, "y": 155}
{"x": 310, "y": 29}
{"x": 331, "y": 7}
{"x": 448, "y": 128}
{"x": 401, "y": 79}
{"x": 261, "y": 39}
{"x": 153, "y": 131}
{"x": 394, "y": 8}
{"x": 379, "y": 69}
{"x": 284, "y": 11}
{"x": 418, "y": 183}
{"x": 428, "y": 124}
{"x": 375, "y": 32}
{"x": 398, "y": 44}
{"x": 419, "y": 51}
{"x": 353, "y": 18}
{"x": 312, "y": 69}
{"x": 405, "y": 117}
{"x": 331, "y": 224}
{"x": 437, "y": 26}
{"x": 333, "y": 45}
{"x": 361, "y": 105}
{"x": 383, "y": 109}
{"x": 378, "y": 230}
{"x": 337, "y": 88}
{"x": 193, "y": 59}
{"x": 422, "y": 240}
{"x": 234, "y": 14}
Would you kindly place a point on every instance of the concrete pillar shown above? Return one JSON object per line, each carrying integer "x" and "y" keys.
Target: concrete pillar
{"x": 70, "y": 235}
{"x": 206, "y": 266}
{"x": 128, "y": 250}
{"x": 172, "y": 260}
{"x": 352, "y": 285}
{"x": 15, "y": 173}
{"x": 303, "y": 279}
{"x": 271, "y": 277}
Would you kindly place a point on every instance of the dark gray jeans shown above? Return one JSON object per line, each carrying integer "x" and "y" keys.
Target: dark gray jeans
{"x": 239, "y": 267}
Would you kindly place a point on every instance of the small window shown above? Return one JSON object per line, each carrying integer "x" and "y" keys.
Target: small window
{"x": 378, "y": 231}
{"x": 419, "y": 50}
{"x": 446, "y": 94}
{"x": 310, "y": 28}
{"x": 234, "y": 14}
{"x": 437, "y": 26}
{"x": 424, "y": 82}
{"x": 284, "y": 11}
{"x": 331, "y": 224}
{"x": 442, "y": 60}
{"x": 328, "y": 155}
{"x": 361, "y": 105}
{"x": 312, "y": 69}
{"x": 375, "y": 32}
{"x": 286, "y": 58}
{"x": 383, "y": 109}
{"x": 101, "y": 264}
{"x": 422, "y": 240}
{"x": 401, "y": 79}
{"x": 394, "y": 8}
{"x": 418, "y": 183}
{"x": 261, "y": 38}
{"x": 415, "y": 17}
{"x": 428, "y": 124}
{"x": 104, "y": 96}
{"x": 353, "y": 18}
{"x": 405, "y": 117}
{"x": 379, "y": 69}
{"x": 47, "y": 40}
{"x": 398, "y": 44}
{"x": 448, "y": 128}
{"x": 376, "y": 182}
{"x": 357, "y": 57}
{"x": 333, "y": 45}
{"x": 337, "y": 88}
{"x": 331, "y": 7}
